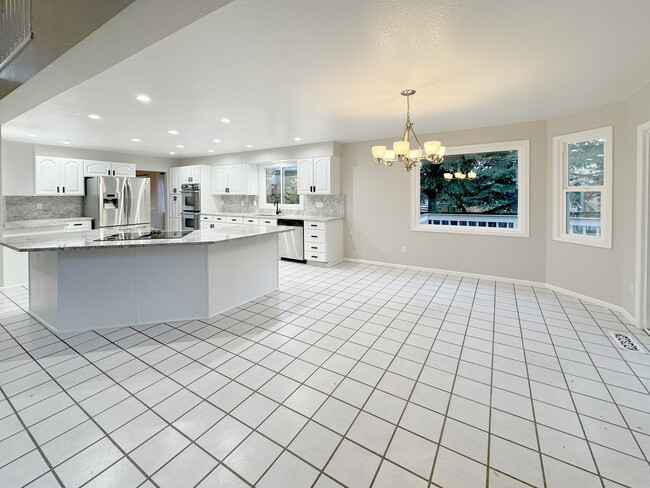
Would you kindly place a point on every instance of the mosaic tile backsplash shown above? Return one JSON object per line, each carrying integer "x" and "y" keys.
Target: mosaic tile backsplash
{"x": 24, "y": 208}
{"x": 333, "y": 205}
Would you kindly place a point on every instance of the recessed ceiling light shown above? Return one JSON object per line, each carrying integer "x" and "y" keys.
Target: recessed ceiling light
{"x": 249, "y": 145}
{"x": 178, "y": 145}
{"x": 172, "y": 132}
{"x": 297, "y": 139}
{"x": 135, "y": 139}
{"x": 210, "y": 150}
{"x": 216, "y": 140}
{"x": 94, "y": 116}
{"x": 172, "y": 152}
{"x": 225, "y": 120}
{"x": 31, "y": 135}
{"x": 143, "y": 98}
{"x": 65, "y": 142}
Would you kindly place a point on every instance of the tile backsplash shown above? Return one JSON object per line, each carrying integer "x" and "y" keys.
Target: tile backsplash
{"x": 24, "y": 208}
{"x": 332, "y": 205}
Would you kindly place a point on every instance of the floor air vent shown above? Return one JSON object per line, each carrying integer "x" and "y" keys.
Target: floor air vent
{"x": 625, "y": 341}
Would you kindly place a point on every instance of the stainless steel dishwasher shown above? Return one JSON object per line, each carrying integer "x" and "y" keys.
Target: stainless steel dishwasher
{"x": 291, "y": 244}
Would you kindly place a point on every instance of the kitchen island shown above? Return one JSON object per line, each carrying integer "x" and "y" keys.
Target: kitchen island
{"x": 79, "y": 282}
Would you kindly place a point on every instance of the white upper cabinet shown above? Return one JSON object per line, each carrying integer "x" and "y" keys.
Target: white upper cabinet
{"x": 234, "y": 179}
{"x": 191, "y": 174}
{"x": 58, "y": 176}
{"x": 123, "y": 169}
{"x": 237, "y": 179}
{"x": 106, "y": 168}
{"x": 305, "y": 175}
{"x": 72, "y": 179}
{"x": 318, "y": 176}
{"x": 219, "y": 180}
{"x": 97, "y": 168}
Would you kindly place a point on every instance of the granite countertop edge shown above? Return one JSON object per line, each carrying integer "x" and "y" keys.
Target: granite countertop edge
{"x": 314, "y": 218}
{"x": 29, "y": 224}
{"x": 69, "y": 241}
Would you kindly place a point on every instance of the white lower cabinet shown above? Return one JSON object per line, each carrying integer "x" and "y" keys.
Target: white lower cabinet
{"x": 324, "y": 241}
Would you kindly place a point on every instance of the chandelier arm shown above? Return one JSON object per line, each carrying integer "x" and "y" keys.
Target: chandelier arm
{"x": 416, "y": 138}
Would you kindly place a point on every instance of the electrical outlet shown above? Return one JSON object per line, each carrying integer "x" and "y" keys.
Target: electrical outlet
{"x": 39, "y": 206}
{"x": 403, "y": 249}
{"x": 319, "y": 204}
{"x": 242, "y": 204}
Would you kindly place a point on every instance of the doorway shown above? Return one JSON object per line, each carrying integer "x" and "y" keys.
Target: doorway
{"x": 158, "y": 192}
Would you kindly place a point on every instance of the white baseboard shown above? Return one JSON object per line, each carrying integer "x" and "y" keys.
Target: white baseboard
{"x": 594, "y": 301}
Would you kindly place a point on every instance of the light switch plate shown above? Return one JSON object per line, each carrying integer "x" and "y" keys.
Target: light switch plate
{"x": 39, "y": 206}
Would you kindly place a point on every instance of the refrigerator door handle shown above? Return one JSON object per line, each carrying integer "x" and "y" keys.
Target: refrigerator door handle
{"x": 127, "y": 206}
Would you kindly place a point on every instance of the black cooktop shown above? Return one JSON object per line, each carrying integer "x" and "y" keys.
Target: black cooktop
{"x": 137, "y": 236}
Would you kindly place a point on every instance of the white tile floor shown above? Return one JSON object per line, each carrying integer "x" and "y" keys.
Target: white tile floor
{"x": 354, "y": 375}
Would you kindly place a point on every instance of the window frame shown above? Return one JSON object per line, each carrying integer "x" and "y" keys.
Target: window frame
{"x": 523, "y": 167}
{"x": 561, "y": 187}
{"x": 262, "y": 193}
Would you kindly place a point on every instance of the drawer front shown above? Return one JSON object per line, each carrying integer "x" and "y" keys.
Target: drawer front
{"x": 235, "y": 220}
{"x": 314, "y": 226}
{"x": 315, "y": 247}
{"x": 83, "y": 225}
{"x": 315, "y": 236}
{"x": 269, "y": 221}
{"x": 316, "y": 256}
{"x": 249, "y": 220}
{"x": 219, "y": 218}
{"x": 206, "y": 218}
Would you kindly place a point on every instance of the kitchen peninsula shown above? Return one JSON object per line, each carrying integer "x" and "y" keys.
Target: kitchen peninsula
{"x": 77, "y": 281}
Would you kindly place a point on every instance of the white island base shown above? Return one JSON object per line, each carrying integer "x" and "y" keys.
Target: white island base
{"x": 85, "y": 289}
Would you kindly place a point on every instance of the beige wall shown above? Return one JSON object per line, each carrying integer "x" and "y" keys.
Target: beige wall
{"x": 379, "y": 212}
{"x": 379, "y": 200}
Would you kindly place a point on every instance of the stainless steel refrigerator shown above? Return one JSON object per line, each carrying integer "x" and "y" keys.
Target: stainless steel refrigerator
{"x": 115, "y": 201}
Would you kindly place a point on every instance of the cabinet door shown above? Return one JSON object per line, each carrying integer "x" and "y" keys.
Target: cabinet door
{"x": 195, "y": 174}
{"x": 47, "y": 172}
{"x": 237, "y": 179}
{"x": 97, "y": 168}
{"x": 72, "y": 177}
{"x": 186, "y": 173}
{"x": 219, "y": 180}
{"x": 123, "y": 169}
{"x": 305, "y": 176}
{"x": 174, "y": 207}
{"x": 174, "y": 180}
{"x": 322, "y": 176}
{"x": 175, "y": 224}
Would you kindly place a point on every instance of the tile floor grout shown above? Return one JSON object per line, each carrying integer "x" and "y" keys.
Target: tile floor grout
{"x": 388, "y": 273}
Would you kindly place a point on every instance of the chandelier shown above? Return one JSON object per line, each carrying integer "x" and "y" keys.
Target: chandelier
{"x": 402, "y": 150}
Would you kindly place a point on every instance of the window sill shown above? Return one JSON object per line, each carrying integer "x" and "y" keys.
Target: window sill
{"x": 584, "y": 241}
{"x": 476, "y": 232}
{"x": 282, "y": 207}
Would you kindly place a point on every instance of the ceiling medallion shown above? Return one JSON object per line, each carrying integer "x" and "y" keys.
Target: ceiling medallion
{"x": 402, "y": 149}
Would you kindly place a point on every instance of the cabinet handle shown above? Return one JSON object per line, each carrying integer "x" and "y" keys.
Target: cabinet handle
{"x": 57, "y": 189}
{"x": 63, "y": 189}
{"x": 314, "y": 247}
{"x": 108, "y": 172}
{"x": 113, "y": 172}
{"x": 315, "y": 237}
{"x": 314, "y": 225}
{"x": 315, "y": 257}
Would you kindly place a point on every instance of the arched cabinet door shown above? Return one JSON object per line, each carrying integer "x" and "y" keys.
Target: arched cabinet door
{"x": 47, "y": 172}
{"x": 72, "y": 177}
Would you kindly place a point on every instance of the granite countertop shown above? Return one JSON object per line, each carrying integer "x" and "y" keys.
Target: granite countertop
{"x": 314, "y": 218}
{"x": 87, "y": 239}
{"x": 30, "y": 224}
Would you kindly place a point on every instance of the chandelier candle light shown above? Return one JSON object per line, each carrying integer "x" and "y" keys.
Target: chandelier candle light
{"x": 402, "y": 149}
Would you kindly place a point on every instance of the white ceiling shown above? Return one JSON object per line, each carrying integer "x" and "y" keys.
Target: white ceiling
{"x": 332, "y": 70}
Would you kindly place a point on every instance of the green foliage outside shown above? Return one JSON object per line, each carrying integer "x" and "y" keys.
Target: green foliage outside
{"x": 274, "y": 179}
{"x": 493, "y": 191}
